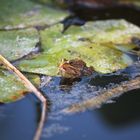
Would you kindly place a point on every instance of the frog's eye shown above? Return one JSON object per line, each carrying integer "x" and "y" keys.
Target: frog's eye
{"x": 64, "y": 60}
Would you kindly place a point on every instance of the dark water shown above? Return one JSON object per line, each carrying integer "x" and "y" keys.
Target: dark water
{"x": 120, "y": 120}
{"x": 83, "y": 14}
{"x": 119, "y": 12}
{"x": 115, "y": 121}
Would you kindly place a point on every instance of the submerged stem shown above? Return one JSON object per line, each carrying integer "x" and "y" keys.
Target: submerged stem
{"x": 41, "y": 123}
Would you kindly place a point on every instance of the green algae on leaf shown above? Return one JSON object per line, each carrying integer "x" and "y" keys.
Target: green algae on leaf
{"x": 91, "y": 3}
{"x": 114, "y": 33}
{"x": 16, "y": 44}
{"x": 26, "y": 13}
{"x": 61, "y": 3}
{"x": 12, "y": 89}
{"x": 88, "y": 3}
{"x": 109, "y": 31}
{"x": 130, "y": 2}
{"x": 100, "y": 44}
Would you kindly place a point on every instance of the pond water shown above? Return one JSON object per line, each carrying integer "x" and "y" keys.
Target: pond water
{"x": 119, "y": 119}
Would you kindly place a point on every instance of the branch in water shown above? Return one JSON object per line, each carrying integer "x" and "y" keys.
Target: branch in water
{"x": 23, "y": 79}
{"x": 104, "y": 96}
{"x": 41, "y": 123}
{"x": 31, "y": 88}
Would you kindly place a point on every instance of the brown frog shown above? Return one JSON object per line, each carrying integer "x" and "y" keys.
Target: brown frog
{"x": 74, "y": 68}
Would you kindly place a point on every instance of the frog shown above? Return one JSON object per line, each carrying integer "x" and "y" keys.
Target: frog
{"x": 74, "y": 68}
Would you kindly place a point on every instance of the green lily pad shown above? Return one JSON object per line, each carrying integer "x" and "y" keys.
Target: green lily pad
{"x": 60, "y": 3}
{"x": 131, "y": 2}
{"x": 101, "y": 44}
{"x": 27, "y": 13}
{"x": 16, "y": 44}
{"x": 90, "y": 3}
{"x": 11, "y": 88}
{"x": 109, "y": 31}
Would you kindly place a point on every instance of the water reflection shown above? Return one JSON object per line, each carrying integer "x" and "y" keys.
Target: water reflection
{"x": 19, "y": 121}
{"x": 119, "y": 12}
{"x": 124, "y": 111}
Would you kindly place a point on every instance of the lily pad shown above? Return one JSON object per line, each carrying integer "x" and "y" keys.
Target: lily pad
{"x": 88, "y": 3}
{"x": 11, "y": 88}
{"x": 91, "y": 3}
{"x": 109, "y": 31}
{"x": 27, "y": 13}
{"x": 101, "y": 44}
{"x": 16, "y": 44}
{"x": 130, "y": 2}
{"x": 58, "y": 3}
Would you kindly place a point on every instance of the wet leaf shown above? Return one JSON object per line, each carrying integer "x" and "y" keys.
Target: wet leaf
{"x": 16, "y": 44}
{"x": 101, "y": 44}
{"x": 11, "y": 88}
{"x": 89, "y": 3}
{"x": 26, "y": 13}
{"x": 130, "y": 2}
{"x": 51, "y": 1}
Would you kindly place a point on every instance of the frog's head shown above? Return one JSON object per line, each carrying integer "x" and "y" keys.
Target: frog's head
{"x": 74, "y": 68}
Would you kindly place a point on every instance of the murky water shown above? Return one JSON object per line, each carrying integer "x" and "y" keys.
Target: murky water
{"x": 113, "y": 121}
{"x": 119, "y": 120}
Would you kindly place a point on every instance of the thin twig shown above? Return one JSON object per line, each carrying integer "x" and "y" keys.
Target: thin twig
{"x": 23, "y": 79}
{"x": 41, "y": 123}
{"x": 104, "y": 96}
{"x": 31, "y": 88}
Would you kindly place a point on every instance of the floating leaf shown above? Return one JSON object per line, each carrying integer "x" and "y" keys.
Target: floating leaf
{"x": 26, "y": 13}
{"x": 89, "y": 3}
{"x": 61, "y": 3}
{"x": 16, "y": 44}
{"x": 130, "y": 2}
{"x": 12, "y": 89}
{"x": 100, "y": 44}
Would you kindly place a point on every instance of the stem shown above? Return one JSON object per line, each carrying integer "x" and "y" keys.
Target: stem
{"x": 41, "y": 123}
{"x": 104, "y": 96}
{"x": 31, "y": 88}
{"x": 24, "y": 80}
